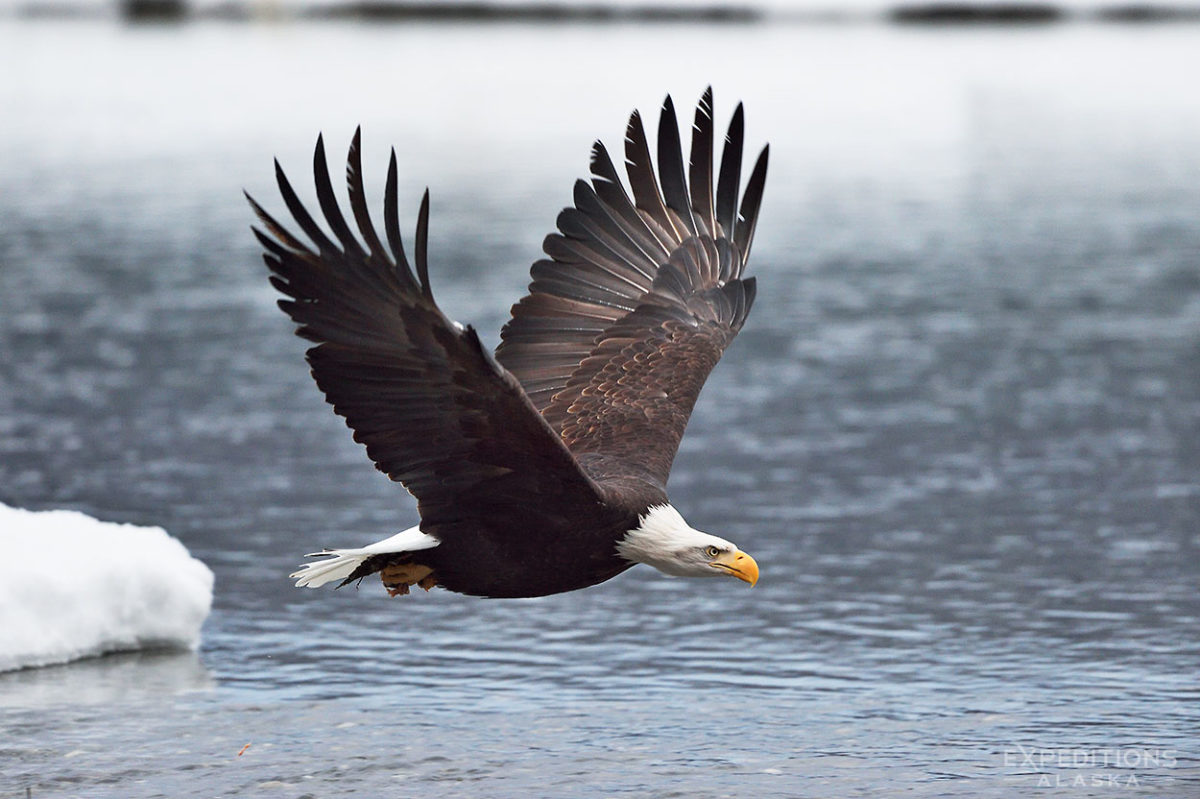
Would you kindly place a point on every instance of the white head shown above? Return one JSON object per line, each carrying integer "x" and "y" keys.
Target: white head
{"x": 663, "y": 540}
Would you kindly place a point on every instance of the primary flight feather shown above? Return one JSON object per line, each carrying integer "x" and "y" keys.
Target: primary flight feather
{"x": 542, "y": 468}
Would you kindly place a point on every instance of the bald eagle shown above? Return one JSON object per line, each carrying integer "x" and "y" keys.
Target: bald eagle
{"x": 541, "y": 468}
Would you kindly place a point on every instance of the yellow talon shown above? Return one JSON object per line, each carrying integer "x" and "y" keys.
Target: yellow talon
{"x": 399, "y": 576}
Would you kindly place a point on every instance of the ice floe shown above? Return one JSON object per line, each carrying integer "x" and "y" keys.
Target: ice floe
{"x": 72, "y": 586}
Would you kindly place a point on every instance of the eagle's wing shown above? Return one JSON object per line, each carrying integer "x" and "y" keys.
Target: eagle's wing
{"x": 640, "y": 296}
{"x": 434, "y": 409}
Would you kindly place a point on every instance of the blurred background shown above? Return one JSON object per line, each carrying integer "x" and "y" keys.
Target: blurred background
{"x": 959, "y": 431}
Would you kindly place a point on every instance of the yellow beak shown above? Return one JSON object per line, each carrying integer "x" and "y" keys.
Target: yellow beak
{"x": 738, "y": 564}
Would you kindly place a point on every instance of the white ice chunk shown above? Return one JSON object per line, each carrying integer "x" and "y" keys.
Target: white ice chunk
{"x": 72, "y": 586}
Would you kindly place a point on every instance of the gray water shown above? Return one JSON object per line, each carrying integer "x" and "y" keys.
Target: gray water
{"x": 959, "y": 433}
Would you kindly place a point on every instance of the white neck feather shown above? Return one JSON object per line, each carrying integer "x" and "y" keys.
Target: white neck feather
{"x": 660, "y": 536}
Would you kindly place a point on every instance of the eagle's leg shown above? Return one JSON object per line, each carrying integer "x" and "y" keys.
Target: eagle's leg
{"x": 397, "y": 577}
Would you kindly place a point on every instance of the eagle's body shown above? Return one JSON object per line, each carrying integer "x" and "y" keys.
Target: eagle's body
{"x": 543, "y": 468}
{"x": 549, "y": 551}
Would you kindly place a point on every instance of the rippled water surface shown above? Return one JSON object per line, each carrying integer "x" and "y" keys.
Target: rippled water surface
{"x": 960, "y": 431}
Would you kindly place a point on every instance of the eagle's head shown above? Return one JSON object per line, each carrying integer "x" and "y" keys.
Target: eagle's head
{"x": 664, "y": 540}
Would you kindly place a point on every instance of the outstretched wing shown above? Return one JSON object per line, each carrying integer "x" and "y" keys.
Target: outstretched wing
{"x": 640, "y": 297}
{"x": 434, "y": 409}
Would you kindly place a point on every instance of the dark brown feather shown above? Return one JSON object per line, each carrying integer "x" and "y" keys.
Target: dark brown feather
{"x": 751, "y": 200}
{"x": 731, "y": 174}
{"x": 670, "y": 168}
{"x": 646, "y": 195}
{"x": 701, "y": 168}
{"x": 358, "y": 196}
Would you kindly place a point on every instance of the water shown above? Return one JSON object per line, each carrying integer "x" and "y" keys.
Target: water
{"x": 959, "y": 433}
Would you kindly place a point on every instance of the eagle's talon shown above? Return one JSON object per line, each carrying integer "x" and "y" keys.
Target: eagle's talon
{"x": 396, "y": 590}
{"x": 398, "y": 577}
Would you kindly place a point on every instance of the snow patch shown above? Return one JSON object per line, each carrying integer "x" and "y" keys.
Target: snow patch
{"x": 72, "y": 586}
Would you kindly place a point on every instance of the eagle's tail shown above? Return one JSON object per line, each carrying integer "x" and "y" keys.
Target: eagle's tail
{"x": 338, "y": 567}
{"x": 341, "y": 564}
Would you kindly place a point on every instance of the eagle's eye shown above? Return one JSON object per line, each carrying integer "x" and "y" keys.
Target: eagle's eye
{"x": 712, "y": 551}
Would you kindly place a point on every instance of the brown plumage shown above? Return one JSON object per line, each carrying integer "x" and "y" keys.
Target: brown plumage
{"x": 529, "y": 466}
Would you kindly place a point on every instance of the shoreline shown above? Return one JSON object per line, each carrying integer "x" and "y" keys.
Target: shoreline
{"x": 931, "y": 14}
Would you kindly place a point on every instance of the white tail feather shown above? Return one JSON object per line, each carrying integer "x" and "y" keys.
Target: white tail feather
{"x": 339, "y": 567}
{"x": 342, "y": 562}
